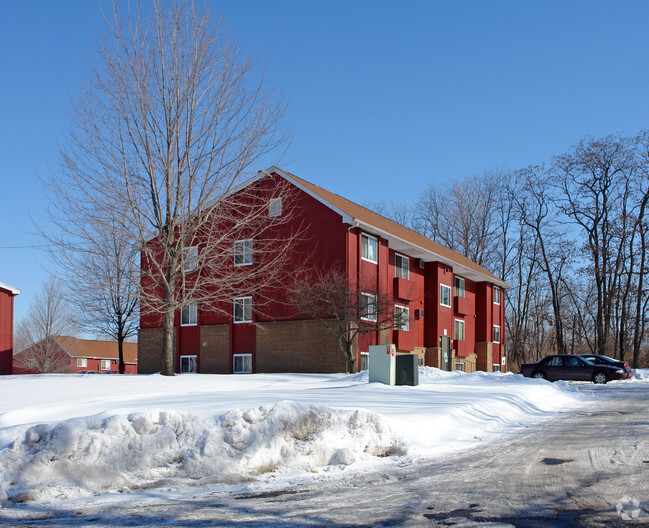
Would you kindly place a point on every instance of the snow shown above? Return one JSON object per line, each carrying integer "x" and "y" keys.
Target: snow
{"x": 67, "y": 436}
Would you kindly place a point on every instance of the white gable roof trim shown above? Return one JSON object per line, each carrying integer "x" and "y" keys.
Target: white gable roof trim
{"x": 10, "y": 289}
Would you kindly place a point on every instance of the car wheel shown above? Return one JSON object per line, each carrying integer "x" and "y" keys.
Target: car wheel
{"x": 538, "y": 375}
{"x": 600, "y": 377}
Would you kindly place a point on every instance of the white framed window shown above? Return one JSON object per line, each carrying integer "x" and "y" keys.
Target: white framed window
{"x": 82, "y": 362}
{"x": 188, "y": 364}
{"x": 243, "y": 252}
{"x": 189, "y": 314}
{"x": 496, "y": 334}
{"x": 459, "y": 365}
{"x": 368, "y": 307}
{"x": 105, "y": 364}
{"x": 243, "y": 309}
{"x": 190, "y": 258}
{"x": 401, "y": 266}
{"x": 496, "y": 295}
{"x": 401, "y": 317}
{"x": 242, "y": 364}
{"x": 459, "y": 287}
{"x": 365, "y": 360}
{"x": 445, "y": 295}
{"x": 458, "y": 330}
{"x": 275, "y": 207}
{"x": 496, "y": 367}
{"x": 369, "y": 248}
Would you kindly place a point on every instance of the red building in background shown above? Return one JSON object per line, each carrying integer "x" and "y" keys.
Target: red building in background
{"x": 68, "y": 355}
{"x": 448, "y": 299}
{"x": 7, "y": 294}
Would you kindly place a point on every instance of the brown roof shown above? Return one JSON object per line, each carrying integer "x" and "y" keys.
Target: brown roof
{"x": 390, "y": 227}
{"x": 87, "y": 348}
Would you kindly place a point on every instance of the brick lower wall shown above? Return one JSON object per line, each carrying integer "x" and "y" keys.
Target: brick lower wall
{"x": 215, "y": 349}
{"x": 149, "y": 351}
{"x": 297, "y": 346}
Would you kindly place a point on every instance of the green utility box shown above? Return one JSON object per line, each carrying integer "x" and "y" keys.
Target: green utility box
{"x": 407, "y": 369}
{"x": 383, "y": 364}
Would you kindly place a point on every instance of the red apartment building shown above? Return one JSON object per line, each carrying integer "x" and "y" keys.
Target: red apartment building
{"x": 448, "y": 299}
{"x": 7, "y": 294}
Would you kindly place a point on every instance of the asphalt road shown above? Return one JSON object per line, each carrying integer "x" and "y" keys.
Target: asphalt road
{"x": 574, "y": 471}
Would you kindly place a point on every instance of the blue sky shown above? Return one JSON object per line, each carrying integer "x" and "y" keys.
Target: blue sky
{"x": 385, "y": 97}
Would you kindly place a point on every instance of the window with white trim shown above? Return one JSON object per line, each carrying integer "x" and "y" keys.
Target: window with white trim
{"x": 82, "y": 362}
{"x": 459, "y": 365}
{"x": 496, "y": 295}
{"x": 458, "y": 330}
{"x": 368, "y": 307}
{"x": 496, "y": 367}
{"x": 401, "y": 266}
{"x": 189, "y": 314}
{"x": 459, "y": 287}
{"x": 105, "y": 364}
{"x": 275, "y": 207}
{"x": 496, "y": 334}
{"x": 369, "y": 248}
{"x": 445, "y": 295}
{"x": 243, "y": 252}
{"x": 243, "y": 309}
{"x": 190, "y": 258}
{"x": 401, "y": 318}
{"x": 365, "y": 361}
{"x": 188, "y": 364}
{"x": 242, "y": 363}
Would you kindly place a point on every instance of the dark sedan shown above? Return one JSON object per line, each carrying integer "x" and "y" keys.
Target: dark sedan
{"x": 574, "y": 368}
{"x": 605, "y": 360}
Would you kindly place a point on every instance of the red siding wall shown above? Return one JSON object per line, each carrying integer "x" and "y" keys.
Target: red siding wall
{"x": 6, "y": 331}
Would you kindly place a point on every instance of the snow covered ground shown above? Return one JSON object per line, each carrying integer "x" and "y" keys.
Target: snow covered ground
{"x": 67, "y": 436}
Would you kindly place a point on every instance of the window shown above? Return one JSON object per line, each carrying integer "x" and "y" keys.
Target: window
{"x": 243, "y": 252}
{"x": 188, "y": 364}
{"x": 242, "y": 364}
{"x": 82, "y": 362}
{"x": 243, "y": 310}
{"x": 401, "y": 318}
{"x": 459, "y": 287}
{"x": 105, "y": 364}
{"x": 365, "y": 360}
{"x": 459, "y": 365}
{"x": 496, "y": 334}
{"x": 458, "y": 330}
{"x": 275, "y": 207}
{"x": 189, "y": 314}
{"x": 401, "y": 266}
{"x": 496, "y": 367}
{"x": 445, "y": 295}
{"x": 190, "y": 258}
{"x": 369, "y": 246}
{"x": 368, "y": 306}
{"x": 496, "y": 295}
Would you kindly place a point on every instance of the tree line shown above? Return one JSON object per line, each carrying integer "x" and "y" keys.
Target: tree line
{"x": 570, "y": 236}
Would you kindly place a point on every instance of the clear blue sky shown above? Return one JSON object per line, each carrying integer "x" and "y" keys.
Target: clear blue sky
{"x": 384, "y": 97}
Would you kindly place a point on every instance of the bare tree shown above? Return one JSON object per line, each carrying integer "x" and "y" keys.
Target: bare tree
{"x": 345, "y": 307}
{"x": 49, "y": 317}
{"x": 162, "y": 137}
{"x": 467, "y": 216}
{"x": 594, "y": 182}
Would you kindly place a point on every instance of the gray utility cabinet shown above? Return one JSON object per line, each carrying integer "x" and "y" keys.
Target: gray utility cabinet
{"x": 390, "y": 368}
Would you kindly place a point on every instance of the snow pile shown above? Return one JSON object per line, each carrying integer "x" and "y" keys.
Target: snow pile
{"x": 641, "y": 374}
{"x": 74, "y": 435}
{"x": 143, "y": 450}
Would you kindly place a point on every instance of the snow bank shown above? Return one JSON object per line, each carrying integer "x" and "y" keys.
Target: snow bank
{"x": 72, "y": 435}
{"x": 82, "y": 456}
{"x": 641, "y": 374}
